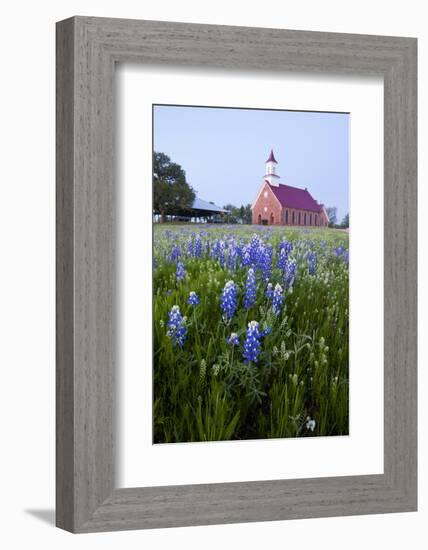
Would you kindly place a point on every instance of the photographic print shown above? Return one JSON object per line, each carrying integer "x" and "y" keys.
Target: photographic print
{"x": 250, "y": 274}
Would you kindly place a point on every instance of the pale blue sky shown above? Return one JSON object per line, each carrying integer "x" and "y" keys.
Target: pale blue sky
{"x": 223, "y": 151}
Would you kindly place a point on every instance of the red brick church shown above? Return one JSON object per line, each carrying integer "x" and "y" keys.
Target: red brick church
{"x": 279, "y": 204}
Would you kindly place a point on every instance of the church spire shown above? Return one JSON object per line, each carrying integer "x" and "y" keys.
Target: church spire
{"x": 271, "y": 157}
{"x": 271, "y": 176}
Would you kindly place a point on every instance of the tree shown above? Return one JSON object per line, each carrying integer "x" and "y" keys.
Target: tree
{"x": 248, "y": 214}
{"x": 171, "y": 192}
{"x": 332, "y": 215}
{"x": 345, "y": 221}
{"x": 242, "y": 213}
{"x": 232, "y": 215}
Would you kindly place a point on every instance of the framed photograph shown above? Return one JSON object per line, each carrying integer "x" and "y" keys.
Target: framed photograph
{"x": 236, "y": 274}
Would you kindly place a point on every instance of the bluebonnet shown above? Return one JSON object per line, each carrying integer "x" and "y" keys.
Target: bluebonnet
{"x": 338, "y": 251}
{"x": 285, "y": 245}
{"x": 290, "y": 273}
{"x": 233, "y": 339}
{"x": 193, "y": 299}
{"x": 180, "y": 272}
{"x": 265, "y": 261}
{"x": 282, "y": 260}
{"x": 254, "y": 248}
{"x": 312, "y": 261}
{"x": 252, "y": 342}
{"x": 176, "y": 327}
{"x": 228, "y": 300}
{"x": 217, "y": 251}
{"x": 232, "y": 257}
{"x": 198, "y": 247}
{"x": 246, "y": 257}
{"x": 346, "y": 256}
{"x": 190, "y": 246}
{"x": 250, "y": 289}
{"x": 278, "y": 299}
{"x": 175, "y": 253}
{"x": 269, "y": 291}
{"x": 266, "y": 331}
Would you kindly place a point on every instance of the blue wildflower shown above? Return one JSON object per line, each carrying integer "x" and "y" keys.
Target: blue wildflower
{"x": 278, "y": 299}
{"x": 232, "y": 257}
{"x": 193, "y": 299}
{"x": 250, "y": 289}
{"x": 233, "y": 339}
{"x": 282, "y": 260}
{"x": 269, "y": 291}
{"x": 346, "y": 257}
{"x": 190, "y": 246}
{"x": 287, "y": 246}
{"x": 175, "y": 253}
{"x": 176, "y": 326}
{"x": 254, "y": 248}
{"x": 180, "y": 272}
{"x": 228, "y": 300}
{"x": 246, "y": 258}
{"x": 265, "y": 261}
{"x": 266, "y": 331}
{"x": 312, "y": 261}
{"x": 198, "y": 247}
{"x": 290, "y": 273}
{"x": 252, "y": 342}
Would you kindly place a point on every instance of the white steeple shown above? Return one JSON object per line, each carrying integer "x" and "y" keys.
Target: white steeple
{"x": 271, "y": 176}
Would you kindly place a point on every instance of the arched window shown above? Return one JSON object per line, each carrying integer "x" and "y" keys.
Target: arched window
{"x": 271, "y": 219}
{"x": 316, "y": 219}
{"x": 286, "y": 217}
{"x": 260, "y": 219}
{"x": 304, "y": 217}
{"x": 299, "y": 219}
{"x": 292, "y": 218}
{"x": 310, "y": 218}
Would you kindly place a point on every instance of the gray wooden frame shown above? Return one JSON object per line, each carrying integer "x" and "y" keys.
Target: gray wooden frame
{"x": 87, "y": 50}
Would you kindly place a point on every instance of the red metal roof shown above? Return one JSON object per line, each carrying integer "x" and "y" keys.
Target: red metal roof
{"x": 293, "y": 197}
{"x": 272, "y": 157}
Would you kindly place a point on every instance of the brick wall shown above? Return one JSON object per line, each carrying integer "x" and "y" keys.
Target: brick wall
{"x": 266, "y": 207}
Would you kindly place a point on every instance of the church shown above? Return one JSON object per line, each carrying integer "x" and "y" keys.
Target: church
{"x": 279, "y": 204}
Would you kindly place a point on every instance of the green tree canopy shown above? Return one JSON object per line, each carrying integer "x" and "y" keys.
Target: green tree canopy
{"x": 332, "y": 215}
{"x": 239, "y": 213}
{"x": 345, "y": 221}
{"x": 171, "y": 192}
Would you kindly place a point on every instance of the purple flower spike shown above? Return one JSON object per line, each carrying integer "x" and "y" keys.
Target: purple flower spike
{"x": 228, "y": 301}
{"x": 176, "y": 327}
{"x": 193, "y": 299}
{"x": 233, "y": 339}
{"x": 252, "y": 343}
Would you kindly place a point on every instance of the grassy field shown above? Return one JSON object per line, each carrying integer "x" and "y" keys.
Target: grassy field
{"x": 250, "y": 333}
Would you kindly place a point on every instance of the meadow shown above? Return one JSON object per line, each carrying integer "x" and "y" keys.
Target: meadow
{"x": 250, "y": 332}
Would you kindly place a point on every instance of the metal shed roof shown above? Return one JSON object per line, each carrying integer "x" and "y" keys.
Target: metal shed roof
{"x": 199, "y": 204}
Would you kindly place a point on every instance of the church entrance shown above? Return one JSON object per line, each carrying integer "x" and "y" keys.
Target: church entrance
{"x": 264, "y": 222}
